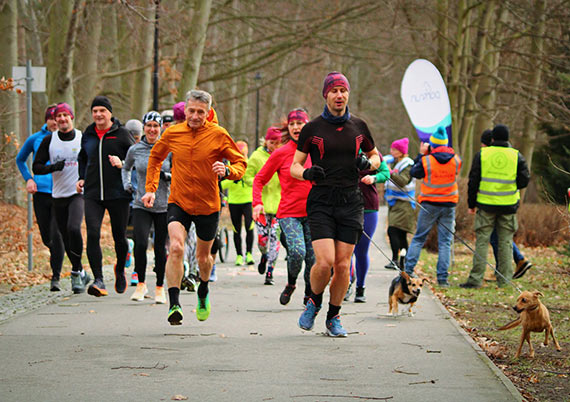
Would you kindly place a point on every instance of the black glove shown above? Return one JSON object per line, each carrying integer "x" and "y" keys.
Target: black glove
{"x": 237, "y": 181}
{"x": 56, "y": 167}
{"x": 314, "y": 173}
{"x": 362, "y": 162}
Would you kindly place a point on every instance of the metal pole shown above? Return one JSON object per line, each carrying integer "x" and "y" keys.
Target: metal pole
{"x": 29, "y": 123}
{"x": 257, "y": 118}
{"x": 155, "y": 74}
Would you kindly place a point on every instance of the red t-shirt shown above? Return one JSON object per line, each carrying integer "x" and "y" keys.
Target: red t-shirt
{"x": 101, "y": 133}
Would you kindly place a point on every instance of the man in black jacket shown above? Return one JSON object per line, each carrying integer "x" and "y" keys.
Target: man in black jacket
{"x": 104, "y": 146}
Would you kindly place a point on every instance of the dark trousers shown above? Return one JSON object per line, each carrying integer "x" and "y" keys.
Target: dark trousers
{"x": 236, "y": 212}
{"x": 142, "y": 221}
{"x": 51, "y": 238}
{"x": 69, "y": 215}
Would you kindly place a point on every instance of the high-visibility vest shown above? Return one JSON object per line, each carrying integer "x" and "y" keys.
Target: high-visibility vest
{"x": 407, "y": 193}
{"x": 498, "y": 184}
{"x": 439, "y": 183}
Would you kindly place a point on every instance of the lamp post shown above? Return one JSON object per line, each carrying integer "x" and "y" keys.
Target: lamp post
{"x": 155, "y": 73}
{"x": 257, "y": 79}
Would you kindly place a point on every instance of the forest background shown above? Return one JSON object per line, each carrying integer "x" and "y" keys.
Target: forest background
{"x": 503, "y": 62}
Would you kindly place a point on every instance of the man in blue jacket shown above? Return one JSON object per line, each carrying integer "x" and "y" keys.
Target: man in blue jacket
{"x": 40, "y": 188}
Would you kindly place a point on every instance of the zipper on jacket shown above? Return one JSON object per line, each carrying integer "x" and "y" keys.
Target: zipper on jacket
{"x": 101, "y": 166}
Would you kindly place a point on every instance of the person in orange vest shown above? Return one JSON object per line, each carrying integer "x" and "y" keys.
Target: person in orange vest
{"x": 437, "y": 166}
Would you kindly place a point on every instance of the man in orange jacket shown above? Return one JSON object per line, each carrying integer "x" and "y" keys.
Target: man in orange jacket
{"x": 198, "y": 147}
{"x": 438, "y": 166}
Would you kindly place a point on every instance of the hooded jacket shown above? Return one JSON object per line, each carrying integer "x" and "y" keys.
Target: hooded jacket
{"x": 271, "y": 194}
{"x": 31, "y": 145}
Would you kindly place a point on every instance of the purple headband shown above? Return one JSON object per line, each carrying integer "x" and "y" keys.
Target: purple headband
{"x": 49, "y": 113}
{"x": 335, "y": 79}
{"x": 63, "y": 107}
{"x": 297, "y": 114}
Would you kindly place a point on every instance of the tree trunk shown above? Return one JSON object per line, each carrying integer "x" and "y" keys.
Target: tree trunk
{"x": 141, "y": 95}
{"x": 454, "y": 85}
{"x": 442, "y": 38}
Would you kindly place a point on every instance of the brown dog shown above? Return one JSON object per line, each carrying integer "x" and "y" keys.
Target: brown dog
{"x": 534, "y": 317}
{"x": 405, "y": 290}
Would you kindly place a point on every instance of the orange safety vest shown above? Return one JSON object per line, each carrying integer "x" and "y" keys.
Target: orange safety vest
{"x": 439, "y": 183}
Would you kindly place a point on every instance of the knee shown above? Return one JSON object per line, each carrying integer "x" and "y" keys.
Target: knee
{"x": 176, "y": 249}
{"x": 203, "y": 259}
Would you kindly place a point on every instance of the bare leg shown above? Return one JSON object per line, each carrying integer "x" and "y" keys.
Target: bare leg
{"x": 324, "y": 260}
{"x": 204, "y": 258}
{"x": 174, "y": 264}
{"x": 341, "y": 272}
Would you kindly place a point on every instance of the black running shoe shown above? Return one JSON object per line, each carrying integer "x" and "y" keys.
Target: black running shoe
{"x": 522, "y": 267}
{"x": 285, "y": 297}
{"x": 269, "y": 278}
{"x": 262, "y": 265}
{"x": 120, "y": 280}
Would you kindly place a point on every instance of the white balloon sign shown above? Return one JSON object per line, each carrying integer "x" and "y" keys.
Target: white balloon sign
{"x": 425, "y": 97}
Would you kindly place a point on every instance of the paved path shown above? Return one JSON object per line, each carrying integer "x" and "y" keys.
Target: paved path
{"x": 250, "y": 349}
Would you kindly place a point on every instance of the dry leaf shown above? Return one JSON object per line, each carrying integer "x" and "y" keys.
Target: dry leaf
{"x": 179, "y": 398}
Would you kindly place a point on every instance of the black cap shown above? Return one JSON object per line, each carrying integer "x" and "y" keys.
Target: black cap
{"x": 487, "y": 137}
{"x": 102, "y": 101}
{"x": 500, "y": 133}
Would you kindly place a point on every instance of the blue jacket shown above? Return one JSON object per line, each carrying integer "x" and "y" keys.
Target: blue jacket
{"x": 43, "y": 181}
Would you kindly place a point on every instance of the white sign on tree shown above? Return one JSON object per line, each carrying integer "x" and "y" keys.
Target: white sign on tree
{"x": 425, "y": 97}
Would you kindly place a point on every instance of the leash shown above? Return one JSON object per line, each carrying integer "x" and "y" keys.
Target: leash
{"x": 381, "y": 251}
{"x": 456, "y": 236}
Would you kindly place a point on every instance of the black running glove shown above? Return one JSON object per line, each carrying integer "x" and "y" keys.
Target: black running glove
{"x": 56, "y": 167}
{"x": 314, "y": 173}
{"x": 362, "y": 162}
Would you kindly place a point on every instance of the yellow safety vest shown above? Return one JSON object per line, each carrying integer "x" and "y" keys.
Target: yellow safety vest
{"x": 498, "y": 184}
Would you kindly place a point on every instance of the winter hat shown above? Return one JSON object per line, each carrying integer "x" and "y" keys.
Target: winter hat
{"x": 63, "y": 107}
{"x": 334, "y": 79}
{"x": 500, "y": 133}
{"x": 401, "y": 145}
{"x": 178, "y": 111}
{"x": 152, "y": 116}
{"x": 487, "y": 137}
{"x": 50, "y": 112}
{"x": 439, "y": 138}
{"x": 273, "y": 133}
{"x": 298, "y": 114}
{"x": 102, "y": 101}
{"x": 167, "y": 116}
{"x": 134, "y": 126}
{"x": 242, "y": 146}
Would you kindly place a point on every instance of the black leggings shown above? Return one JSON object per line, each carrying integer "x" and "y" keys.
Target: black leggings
{"x": 236, "y": 212}
{"x": 119, "y": 214}
{"x": 69, "y": 215}
{"x": 51, "y": 238}
{"x": 398, "y": 241}
{"x": 142, "y": 221}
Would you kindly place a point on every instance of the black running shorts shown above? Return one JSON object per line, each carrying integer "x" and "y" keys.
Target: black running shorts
{"x": 206, "y": 225}
{"x": 335, "y": 213}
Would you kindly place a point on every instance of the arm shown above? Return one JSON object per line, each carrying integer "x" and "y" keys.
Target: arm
{"x": 238, "y": 164}
{"x": 523, "y": 175}
{"x": 402, "y": 178}
{"x": 253, "y": 166}
{"x": 263, "y": 177}
{"x": 158, "y": 153}
{"x": 127, "y": 169}
{"x": 41, "y": 160}
{"x": 374, "y": 158}
{"x": 383, "y": 173}
{"x": 473, "y": 184}
{"x": 297, "y": 168}
{"x": 23, "y": 154}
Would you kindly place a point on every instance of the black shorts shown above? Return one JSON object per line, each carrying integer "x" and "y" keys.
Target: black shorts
{"x": 335, "y": 213}
{"x": 206, "y": 225}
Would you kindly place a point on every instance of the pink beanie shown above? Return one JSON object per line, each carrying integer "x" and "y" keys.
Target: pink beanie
{"x": 401, "y": 145}
{"x": 178, "y": 112}
{"x": 334, "y": 79}
{"x": 273, "y": 133}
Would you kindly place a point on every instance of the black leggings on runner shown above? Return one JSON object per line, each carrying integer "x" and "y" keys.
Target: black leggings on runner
{"x": 69, "y": 215}
{"x": 51, "y": 238}
{"x": 398, "y": 241}
{"x": 119, "y": 214}
{"x": 236, "y": 212}
{"x": 142, "y": 221}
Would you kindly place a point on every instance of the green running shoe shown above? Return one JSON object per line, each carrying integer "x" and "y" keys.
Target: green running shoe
{"x": 239, "y": 260}
{"x": 175, "y": 315}
{"x": 203, "y": 308}
{"x": 249, "y": 259}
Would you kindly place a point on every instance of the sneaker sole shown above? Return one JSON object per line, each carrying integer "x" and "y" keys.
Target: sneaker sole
{"x": 360, "y": 300}
{"x": 329, "y": 333}
{"x": 117, "y": 288}
{"x": 520, "y": 274}
{"x": 175, "y": 318}
{"x": 95, "y": 291}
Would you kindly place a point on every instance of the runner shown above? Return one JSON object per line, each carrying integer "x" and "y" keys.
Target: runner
{"x": 335, "y": 205}
{"x": 143, "y": 218}
{"x": 292, "y": 212}
{"x": 61, "y": 149}
{"x": 239, "y": 202}
{"x": 198, "y": 147}
{"x": 40, "y": 187}
{"x": 266, "y": 223}
{"x": 104, "y": 145}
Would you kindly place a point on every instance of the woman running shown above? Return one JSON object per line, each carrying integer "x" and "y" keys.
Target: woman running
{"x": 143, "y": 218}
{"x": 239, "y": 203}
{"x": 292, "y": 212}
{"x": 266, "y": 224}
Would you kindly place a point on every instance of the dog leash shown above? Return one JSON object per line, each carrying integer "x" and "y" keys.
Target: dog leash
{"x": 381, "y": 251}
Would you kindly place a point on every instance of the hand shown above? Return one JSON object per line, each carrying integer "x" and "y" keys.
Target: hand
{"x": 257, "y": 210}
{"x": 148, "y": 200}
{"x": 56, "y": 167}
{"x": 314, "y": 173}
{"x": 424, "y": 148}
{"x": 362, "y": 162}
{"x": 115, "y": 161}
{"x": 368, "y": 179}
{"x": 219, "y": 168}
{"x": 31, "y": 186}
{"x": 472, "y": 211}
{"x": 394, "y": 171}
{"x": 129, "y": 188}
{"x": 79, "y": 186}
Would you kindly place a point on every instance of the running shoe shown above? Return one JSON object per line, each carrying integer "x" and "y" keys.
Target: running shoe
{"x": 359, "y": 296}
{"x": 130, "y": 260}
{"x": 262, "y": 265}
{"x": 120, "y": 280}
{"x": 348, "y": 292}
{"x": 213, "y": 276}
{"x": 249, "y": 258}
{"x": 307, "y": 319}
{"x": 203, "y": 308}
{"x": 188, "y": 283}
{"x": 134, "y": 279}
{"x": 79, "y": 282}
{"x": 55, "y": 286}
{"x": 175, "y": 315}
{"x": 97, "y": 289}
{"x": 522, "y": 267}
{"x": 269, "y": 278}
{"x": 285, "y": 297}
{"x": 140, "y": 292}
{"x": 305, "y": 300}
{"x": 391, "y": 265}
{"x": 239, "y": 260}
{"x": 334, "y": 327}
{"x": 159, "y": 295}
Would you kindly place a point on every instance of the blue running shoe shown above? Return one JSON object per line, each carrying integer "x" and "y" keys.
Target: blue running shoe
{"x": 307, "y": 319}
{"x": 213, "y": 276}
{"x": 334, "y": 327}
{"x": 130, "y": 260}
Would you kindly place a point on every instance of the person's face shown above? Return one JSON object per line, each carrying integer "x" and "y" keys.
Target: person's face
{"x": 64, "y": 122}
{"x": 101, "y": 116}
{"x": 395, "y": 153}
{"x": 152, "y": 131}
{"x": 136, "y": 137}
{"x": 337, "y": 99}
{"x": 51, "y": 125}
{"x": 295, "y": 127}
{"x": 196, "y": 113}
{"x": 272, "y": 145}
{"x": 166, "y": 124}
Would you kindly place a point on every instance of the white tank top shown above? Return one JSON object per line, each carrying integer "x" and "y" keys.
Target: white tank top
{"x": 64, "y": 181}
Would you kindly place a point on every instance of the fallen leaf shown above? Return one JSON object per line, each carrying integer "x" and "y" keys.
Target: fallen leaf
{"x": 179, "y": 398}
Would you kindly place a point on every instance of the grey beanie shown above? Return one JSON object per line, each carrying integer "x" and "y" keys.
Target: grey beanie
{"x": 134, "y": 126}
